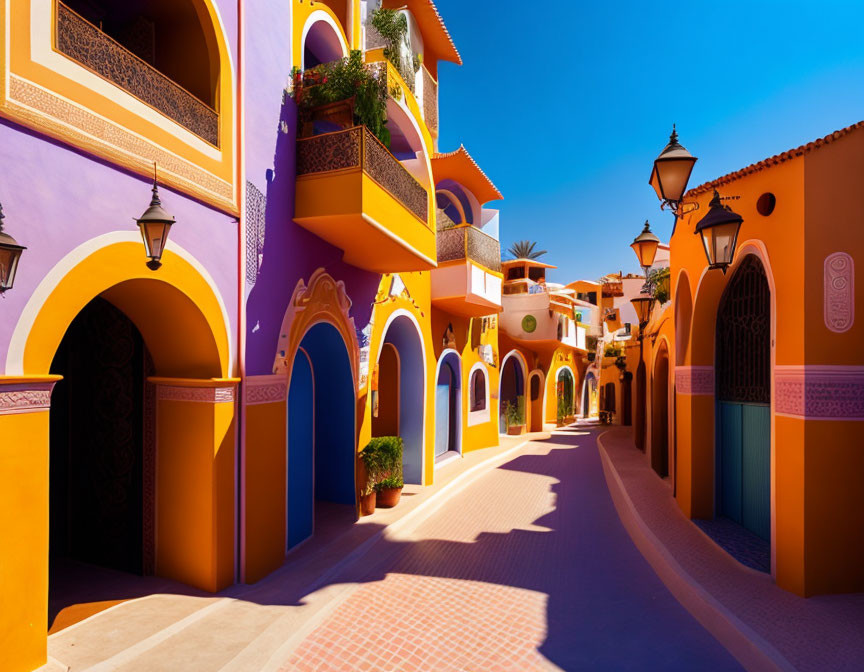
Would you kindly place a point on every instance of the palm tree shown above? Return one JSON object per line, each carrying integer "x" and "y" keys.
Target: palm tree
{"x": 524, "y": 249}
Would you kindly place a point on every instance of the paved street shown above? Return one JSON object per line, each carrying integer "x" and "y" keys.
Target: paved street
{"x": 528, "y": 566}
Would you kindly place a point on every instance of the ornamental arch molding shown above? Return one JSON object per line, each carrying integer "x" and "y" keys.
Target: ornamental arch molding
{"x": 322, "y": 300}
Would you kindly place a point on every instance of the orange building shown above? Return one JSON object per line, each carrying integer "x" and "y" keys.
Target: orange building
{"x": 755, "y": 377}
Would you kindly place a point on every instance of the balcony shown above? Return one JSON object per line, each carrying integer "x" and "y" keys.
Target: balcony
{"x": 86, "y": 44}
{"x": 539, "y": 319}
{"x": 353, "y": 193}
{"x": 468, "y": 279}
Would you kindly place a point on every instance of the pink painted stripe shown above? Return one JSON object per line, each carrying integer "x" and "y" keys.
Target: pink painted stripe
{"x": 820, "y": 392}
{"x": 694, "y": 380}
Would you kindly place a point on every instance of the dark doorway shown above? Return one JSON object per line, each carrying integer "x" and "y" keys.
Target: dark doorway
{"x": 627, "y": 399}
{"x": 660, "y": 414}
{"x": 98, "y": 467}
{"x": 743, "y": 399}
{"x": 640, "y": 411}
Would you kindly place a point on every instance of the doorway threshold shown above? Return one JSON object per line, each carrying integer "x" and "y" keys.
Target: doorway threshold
{"x": 447, "y": 458}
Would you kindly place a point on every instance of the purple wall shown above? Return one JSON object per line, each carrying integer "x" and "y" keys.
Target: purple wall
{"x": 289, "y": 252}
{"x": 56, "y": 198}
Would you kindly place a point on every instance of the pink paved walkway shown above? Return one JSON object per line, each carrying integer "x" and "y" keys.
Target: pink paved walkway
{"x": 817, "y": 633}
{"x": 527, "y": 568}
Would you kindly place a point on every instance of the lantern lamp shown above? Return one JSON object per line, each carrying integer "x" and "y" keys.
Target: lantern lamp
{"x": 671, "y": 172}
{"x": 719, "y": 230}
{"x": 155, "y": 224}
{"x": 10, "y": 253}
{"x": 643, "y": 305}
{"x": 645, "y": 246}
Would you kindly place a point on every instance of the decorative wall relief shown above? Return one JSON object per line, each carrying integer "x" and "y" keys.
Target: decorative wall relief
{"x": 839, "y": 292}
{"x": 820, "y": 392}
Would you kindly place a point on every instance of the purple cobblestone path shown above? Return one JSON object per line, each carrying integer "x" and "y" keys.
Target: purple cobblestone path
{"x": 527, "y": 568}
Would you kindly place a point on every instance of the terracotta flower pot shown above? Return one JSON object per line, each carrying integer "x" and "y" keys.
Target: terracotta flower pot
{"x": 367, "y": 504}
{"x": 387, "y": 498}
{"x": 516, "y": 430}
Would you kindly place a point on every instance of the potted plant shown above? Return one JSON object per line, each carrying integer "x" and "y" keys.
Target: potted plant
{"x": 388, "y": 489}
{"x": 514, "y": 416}
{"x": 373, "y": 460}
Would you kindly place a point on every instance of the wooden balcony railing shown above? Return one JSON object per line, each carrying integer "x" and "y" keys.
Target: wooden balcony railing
{"x": 357, "y": 147}
{"x": 430, "y": 101}
{"x": 469, "y": 242}
{"x": 83, "y": 42}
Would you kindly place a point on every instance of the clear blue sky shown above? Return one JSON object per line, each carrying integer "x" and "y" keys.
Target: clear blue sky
{"x": 565, "y": 104}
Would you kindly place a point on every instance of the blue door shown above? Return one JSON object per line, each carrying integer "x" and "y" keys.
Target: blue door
{"x": 445, "y": 411}
{"x": 743, "y": 382}
{"x": 301, "y": 452}
{"x": 745, "y": 465}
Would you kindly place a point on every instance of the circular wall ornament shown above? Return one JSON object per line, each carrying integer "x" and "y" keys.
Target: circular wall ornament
{"x": 529, "y": 323}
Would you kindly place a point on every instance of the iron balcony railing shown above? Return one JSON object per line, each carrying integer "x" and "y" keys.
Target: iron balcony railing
{"x": 85, "y": 43}
{"x": 357, "y": 147}
{"x": 469, "y": 242}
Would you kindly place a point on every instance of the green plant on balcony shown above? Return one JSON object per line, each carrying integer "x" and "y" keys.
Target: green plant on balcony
{"x": 612, "y": 350}
{"x": 658, "y": 282}
{"x": 392, "y": 25}
{"x": 343, "y": 80}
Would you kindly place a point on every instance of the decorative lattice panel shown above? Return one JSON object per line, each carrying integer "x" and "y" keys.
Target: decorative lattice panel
{"x": 256, "y": 207}
{"x": 743, "y": 371}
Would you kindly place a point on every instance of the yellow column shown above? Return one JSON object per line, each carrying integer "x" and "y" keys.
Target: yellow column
{"x": 24, "y": 406}
{"x": 195, "y": 481}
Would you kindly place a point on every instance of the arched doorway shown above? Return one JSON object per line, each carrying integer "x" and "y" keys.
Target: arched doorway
{"x": 401, "y": 393}
{"x": 743, "y": 392}
{"x": 535, "y": 386}
{"x": 627, "y": 399}
{"x": 589, "y": 395}
{"x": 100, "y": 459}
{"x": 565, "y": 393}
{"x": 322, "y": 42}
{"x": 511, "y": 388}
{"x": 321, "y": 438}
{"x": 660, "y": 413}
{"x": 448, "y": 404}
{"x": 639, "y": 415}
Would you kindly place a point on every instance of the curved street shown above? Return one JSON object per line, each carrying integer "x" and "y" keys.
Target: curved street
{"x": 529, "y": 567}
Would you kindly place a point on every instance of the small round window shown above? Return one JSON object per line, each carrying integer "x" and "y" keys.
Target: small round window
{"x": 529, "y": 324}
{"x": 766, "y": 203}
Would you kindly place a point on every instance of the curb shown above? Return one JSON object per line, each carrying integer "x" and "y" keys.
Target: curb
{"x": 750, "y": 649}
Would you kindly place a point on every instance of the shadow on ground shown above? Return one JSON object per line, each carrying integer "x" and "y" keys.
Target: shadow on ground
{"x": 606, "y": 608}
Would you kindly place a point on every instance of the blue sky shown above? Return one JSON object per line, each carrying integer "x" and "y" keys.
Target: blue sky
{"x": 566, "y": 103}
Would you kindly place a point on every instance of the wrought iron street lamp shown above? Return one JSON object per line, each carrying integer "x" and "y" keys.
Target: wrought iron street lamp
{"x": 155, "y": 224}
{"x": 719, "y": 230}
{"x": 643, "y": 305}
{"x": 645, "y": 246}
{"x": 671, "y": 173}
{"x": 10, "y": 253}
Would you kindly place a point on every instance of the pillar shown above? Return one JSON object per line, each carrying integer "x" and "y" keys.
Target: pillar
{"x": 25, "y": 403}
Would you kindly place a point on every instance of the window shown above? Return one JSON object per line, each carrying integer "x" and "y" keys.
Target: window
{"x": 478, "y": 390}
{"x": 478, "y": 395}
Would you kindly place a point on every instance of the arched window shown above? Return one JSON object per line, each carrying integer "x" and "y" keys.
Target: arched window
{"x": 478, "y": 390}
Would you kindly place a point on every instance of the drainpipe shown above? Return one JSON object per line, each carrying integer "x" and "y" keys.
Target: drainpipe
{"x": 240, "y": 469}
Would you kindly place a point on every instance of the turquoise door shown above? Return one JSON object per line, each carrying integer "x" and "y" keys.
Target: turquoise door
{"x": 745, "y": 465}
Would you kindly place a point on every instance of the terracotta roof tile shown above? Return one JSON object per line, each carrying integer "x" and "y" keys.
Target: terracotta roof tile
{"x": 462, "y": 167}
{"x": 773, "y": 160}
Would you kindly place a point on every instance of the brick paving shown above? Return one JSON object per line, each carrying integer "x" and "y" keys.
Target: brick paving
{"x": 528, "y": 568}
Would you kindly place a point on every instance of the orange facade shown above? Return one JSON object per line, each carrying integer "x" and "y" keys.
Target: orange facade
{"x": 800, "y": 237}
